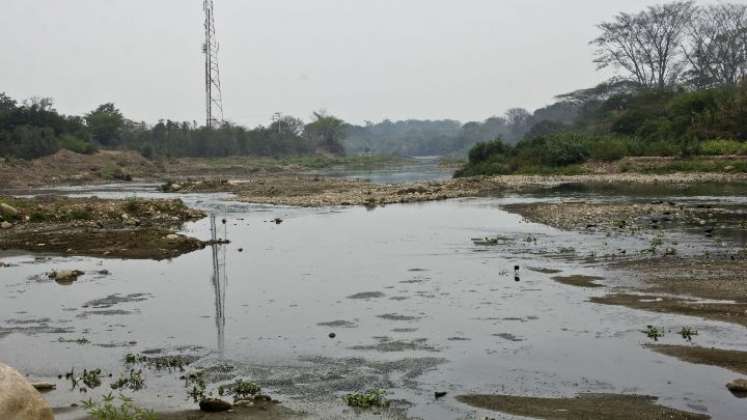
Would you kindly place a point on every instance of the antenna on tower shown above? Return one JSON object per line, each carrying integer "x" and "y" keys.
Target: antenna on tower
{"x": 213, "y": 94}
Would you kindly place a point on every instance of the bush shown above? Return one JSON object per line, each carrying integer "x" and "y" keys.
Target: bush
{"x": 74, "y": 144}
{"x": 482, "y": 152}
{"x": 27, "y": 142}
{"x": 609, "y": 150}
{"x": 723, "y": 147}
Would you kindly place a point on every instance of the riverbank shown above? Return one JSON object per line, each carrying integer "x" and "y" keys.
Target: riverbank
{"x": 319, "y": 191}
{"x": 133, "y": 228}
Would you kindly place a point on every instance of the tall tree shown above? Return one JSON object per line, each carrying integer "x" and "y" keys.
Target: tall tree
{"x": 326, "y": 132}
{"x": 646, "y": 45}
{"x": 717, "y": 46}
{"x": 106, "y": 123}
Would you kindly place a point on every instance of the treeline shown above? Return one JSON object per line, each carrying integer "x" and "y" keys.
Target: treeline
{"x": 680, "y": 90}
{"x": 34, "y": 129}
{"x": 449, "y": 137}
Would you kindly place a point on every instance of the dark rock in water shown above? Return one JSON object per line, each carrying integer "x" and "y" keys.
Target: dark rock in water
{"x": 439, "y": 394}
{"x": 332, "y": 335}
{"x": 265, "y": 398}
{"x": 738, "y": 387}
{"x": 241, "y": 249}
{"x": 214, "y": 405}
{"x": 277, "y": 220}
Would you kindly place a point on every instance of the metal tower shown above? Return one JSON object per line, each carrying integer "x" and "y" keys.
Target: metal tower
{"x": 213, "y": 94}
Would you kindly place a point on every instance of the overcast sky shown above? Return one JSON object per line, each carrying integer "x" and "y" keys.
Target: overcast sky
{"x": 358, "y": 59}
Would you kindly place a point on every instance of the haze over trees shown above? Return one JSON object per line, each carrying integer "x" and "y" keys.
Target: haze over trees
{"x": 679, "y": 82}
{"x": 679, "y": 90}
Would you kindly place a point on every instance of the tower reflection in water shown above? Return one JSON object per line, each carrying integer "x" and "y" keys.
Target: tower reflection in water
{"x": 219, "y": 279}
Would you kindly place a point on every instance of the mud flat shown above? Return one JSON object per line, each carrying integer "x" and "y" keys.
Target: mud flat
{"x": 728, "y": 359}
{"x": 318, "y": 191}
{"x": 140, "y": 229}
{"x": 583, "y": 406}
{"x": 709, "y": 286}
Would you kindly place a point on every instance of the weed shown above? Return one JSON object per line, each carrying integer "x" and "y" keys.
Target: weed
{"x": 107, "y": 410}
{"x": 688, "y": 333}
{"x": 134, "y": 381}
{"x": 242, "y": 390}
{"x": 653, "y": 332}
{"x": 371, "y": 398}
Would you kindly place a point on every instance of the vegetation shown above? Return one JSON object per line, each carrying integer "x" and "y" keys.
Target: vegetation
{"x": 34, "y": 129}
{"x": 108, "y": 410}
{"x": 688, "y": 333}
{"x": 371, "y": 398}
{"x": 683, "y": 100}
{"x": 653, "y": 332}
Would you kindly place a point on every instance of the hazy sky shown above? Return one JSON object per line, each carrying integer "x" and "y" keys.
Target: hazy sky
{"x": 358, "y": 59}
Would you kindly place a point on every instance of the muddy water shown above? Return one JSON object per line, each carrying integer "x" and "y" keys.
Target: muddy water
{"x": 416, "y": 307}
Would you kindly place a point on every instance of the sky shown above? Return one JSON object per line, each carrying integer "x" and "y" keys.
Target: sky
{"x": 361, "y": 60}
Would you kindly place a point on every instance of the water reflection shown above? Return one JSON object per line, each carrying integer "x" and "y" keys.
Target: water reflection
{"x": 219, "y": 280}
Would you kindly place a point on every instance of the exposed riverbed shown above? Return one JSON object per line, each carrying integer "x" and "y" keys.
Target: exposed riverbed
{"x": 416, "y": 306}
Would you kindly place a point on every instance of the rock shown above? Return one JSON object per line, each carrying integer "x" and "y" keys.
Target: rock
{"x": 7, "y": 209}
{"x": 439, "y": 394}
{"x": 332, "y": 335}
{"x": 172, "y": 237}
{"x": 19, "y": 400}
{"x": 214, "y": 405}
{"x": 738, "y": 386}
{"x": 6, "y": 225}
{"x": 65, "y": 277}
{"x": 44, "y": 386}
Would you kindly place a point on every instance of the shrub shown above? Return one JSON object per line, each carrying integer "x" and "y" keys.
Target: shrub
{"x": 609, "y": 150}
{"x": 485, "y": 151}
{"x": 723, "y": 147}
{"x": 77, "y": 145}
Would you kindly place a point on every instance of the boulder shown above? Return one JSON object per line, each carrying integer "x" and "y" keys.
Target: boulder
{"x": 737, "y": 386}
{"x": 8, "y": 210}
{"x": 6, "y": 225}
{"x": 66, "y": 276}
{"x": 214, "y": 405}
{"x": 19, "y": 400}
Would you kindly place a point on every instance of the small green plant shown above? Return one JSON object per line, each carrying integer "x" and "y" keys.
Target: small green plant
{"x": 688, "y": 333}
{"x": 653, "y": 332}
{"x": 196, "y": 387}
{"x": 242, "y": 390}
{"x": 134, "y": 381}
{"x": 108, "y": 410}
{"x": 371, "y": 398}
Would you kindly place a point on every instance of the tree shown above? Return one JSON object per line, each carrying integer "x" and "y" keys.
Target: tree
{"x": 646, "y": 45}
{"x": 717, "y": 46}
{"x": 106, "y": 123}
{"x": 326, "y": 132}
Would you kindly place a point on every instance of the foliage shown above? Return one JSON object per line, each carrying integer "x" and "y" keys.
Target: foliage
{"x": 134, "y": 381}
{"x": 369, "y": 399}
{"x": 108, "y": 410}
{"x": 688, "y": 333}
{"x": 653, "y": 332}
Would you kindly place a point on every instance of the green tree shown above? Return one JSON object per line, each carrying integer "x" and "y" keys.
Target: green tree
{"x": 326, "y": 133}
{"x": 106, "y": 123}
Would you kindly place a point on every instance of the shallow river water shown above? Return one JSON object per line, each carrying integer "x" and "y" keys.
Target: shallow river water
{"x": 434, "y": 311}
